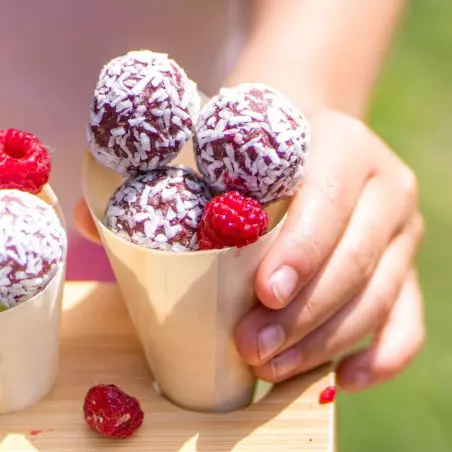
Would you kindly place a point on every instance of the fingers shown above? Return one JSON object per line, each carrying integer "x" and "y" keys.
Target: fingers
{"x": 84, "y": 221}
{"x": 342, "y": 331}
{"x": 319, "y": 213}
{"x": 396, "y": 344}
{"x": 345, "y": 158}
{"x": 263, "y": 333}
{"x": 356, "y": 320}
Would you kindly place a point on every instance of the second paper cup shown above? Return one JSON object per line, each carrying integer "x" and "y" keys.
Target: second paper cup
{"x": 30, "y": 340}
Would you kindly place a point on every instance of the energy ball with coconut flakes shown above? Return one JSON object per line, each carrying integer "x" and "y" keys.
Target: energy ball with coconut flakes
{"x": 252, "y": 139}
{"x": 32, "y": 246}
{"x": 143, "y": 112}
{"x": 160, "y": 209}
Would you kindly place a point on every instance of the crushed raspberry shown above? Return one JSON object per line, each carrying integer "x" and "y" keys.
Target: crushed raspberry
{"x": 230, "y": 220}
{"x": 327, "y": 395}
{"x": 24, "y": 161}
{"x": 111, "y": 412}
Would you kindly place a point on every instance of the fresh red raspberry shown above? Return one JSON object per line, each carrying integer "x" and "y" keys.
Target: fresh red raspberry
{"x": 230, "y": 220}
{"x": 327, "y": 395}
{"x": 24, "y": 161}
{"x": 111, "y": 412}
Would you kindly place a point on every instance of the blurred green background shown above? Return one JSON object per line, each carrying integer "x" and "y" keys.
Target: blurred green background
{"x": 412, "y": 111}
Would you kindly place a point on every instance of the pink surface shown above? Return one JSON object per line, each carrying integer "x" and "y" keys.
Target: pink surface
{"x": 52, "y": 51}
{"x": 87, "y": 261}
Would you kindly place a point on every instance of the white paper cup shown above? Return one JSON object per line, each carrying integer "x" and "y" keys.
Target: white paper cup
{"x": 30, "y": 340}
{"x": 185, "y": 306}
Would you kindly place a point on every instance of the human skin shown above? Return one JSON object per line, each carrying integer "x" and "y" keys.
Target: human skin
{"x": 342, "y": 268}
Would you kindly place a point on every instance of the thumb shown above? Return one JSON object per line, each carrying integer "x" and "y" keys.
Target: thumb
{"x": 84, "y": 222}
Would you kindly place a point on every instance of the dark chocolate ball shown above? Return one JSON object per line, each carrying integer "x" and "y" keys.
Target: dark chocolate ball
{"x": 159, "y": 209}
{"x": 143, "y": 112}
{"x": 252, "y": 139}
{"x": 32, "y": 246}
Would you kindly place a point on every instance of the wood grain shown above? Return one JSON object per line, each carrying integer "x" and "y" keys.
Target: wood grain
{"x": 99, "y": 345}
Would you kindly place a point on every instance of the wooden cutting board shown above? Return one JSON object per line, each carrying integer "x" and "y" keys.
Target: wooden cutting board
{"x": 99, "y": 346}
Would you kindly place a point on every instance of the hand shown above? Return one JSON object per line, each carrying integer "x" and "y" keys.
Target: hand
{"x": 347, "y": 249}
{"x": 340, "y": 271}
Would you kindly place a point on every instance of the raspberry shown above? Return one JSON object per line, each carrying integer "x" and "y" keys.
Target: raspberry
{"x": 327, "y": 395}
{"x": 230, "y": 220}
{"x": 24, "y": 161}
{"x": 111, "y": 412}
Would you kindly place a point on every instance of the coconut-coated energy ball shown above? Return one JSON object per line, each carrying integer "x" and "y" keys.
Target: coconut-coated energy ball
{"x": 142, "y": 113}
{"x": 33, "y": 245}
{"x": 160, "y": 209}
{"x": 251, "y": 139}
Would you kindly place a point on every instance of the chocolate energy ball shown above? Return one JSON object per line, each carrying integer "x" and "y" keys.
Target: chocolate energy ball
{"x": 32, "y": 246}
{"x": 143, "y": 112}
{"x": 252, "y": 139}
{"x": 160, "y": 209}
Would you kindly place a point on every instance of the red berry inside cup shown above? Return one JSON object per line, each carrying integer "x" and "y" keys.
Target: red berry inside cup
{"x": 24, "y": 161}
{"x": 111, "y": 412}
{"x": 231, "y": 220}
{"x": 328, "y": 395}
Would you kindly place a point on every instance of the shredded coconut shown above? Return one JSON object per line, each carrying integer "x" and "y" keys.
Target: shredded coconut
{"x": 32, "y": 246}
{"x": 160, "y": 209}
{"x": 143, "y": 112}
{"x": 252, "y": 139}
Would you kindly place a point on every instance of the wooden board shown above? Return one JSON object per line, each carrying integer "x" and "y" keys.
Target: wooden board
{"x": 99, "y": 346}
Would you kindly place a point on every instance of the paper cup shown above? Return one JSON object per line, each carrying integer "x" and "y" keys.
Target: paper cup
{"x": 185, "y": 306}
{"x": 30, "y": 339}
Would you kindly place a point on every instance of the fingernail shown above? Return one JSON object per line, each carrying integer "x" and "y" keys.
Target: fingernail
{"x": 284, "y": 283}
{"x": 286, "y": 363}
{"x": 269, "y": 340}
{"x": 360, "y": 379}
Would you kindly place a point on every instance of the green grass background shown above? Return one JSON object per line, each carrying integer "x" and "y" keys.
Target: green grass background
{"x": 412, "y": 111}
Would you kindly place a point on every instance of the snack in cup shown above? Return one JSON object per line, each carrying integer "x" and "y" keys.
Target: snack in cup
{"x": 160, "y": 209}
{"x": 251, "y": 139}
{"x": 32, "y": 246}
{"x": 250, "y": 148}
{"x": 142, "y": 112}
